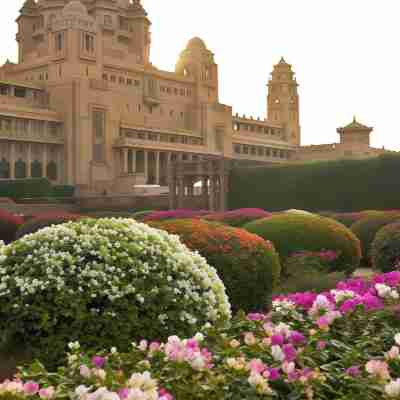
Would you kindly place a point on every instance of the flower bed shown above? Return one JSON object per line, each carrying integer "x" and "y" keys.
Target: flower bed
{"x": 343, "y": 344}
{"x": 239, "y": 217}
{"x": 173, "y": 214}
{"x": 103, "y": 282}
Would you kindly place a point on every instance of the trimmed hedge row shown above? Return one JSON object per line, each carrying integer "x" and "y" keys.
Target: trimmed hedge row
{"x": 33, "y": 188}
{"x": 343, "y": 185}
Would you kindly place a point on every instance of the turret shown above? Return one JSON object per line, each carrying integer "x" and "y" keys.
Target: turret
{"x": 283, "y": 101}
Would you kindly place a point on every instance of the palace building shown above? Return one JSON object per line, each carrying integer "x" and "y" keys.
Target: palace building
{"x": 84, "y": 105}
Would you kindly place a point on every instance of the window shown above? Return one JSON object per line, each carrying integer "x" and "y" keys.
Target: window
{"x": 182, "y": 115}
{"x": 107, "y": 20}
{"x": 105, "y": 77}
{"x": 176, "y": 91}
{"x": 113, "y": 78}
{"x": 129, "y": 82}
{"x": 171, "y": 113}
{"x": 236, "y": 126}
{"x": 137, "y": 83}
{"x": 20, "y": 92}
{"x": 237, "y": 148}
{"x": 139, "y": 108}
{"x": 98, "y": 135}
{"x": 121, "y": 80}
{"x": 59, "y": 41}
{"x": 4, "y": 90}
{"x": 88, "y": 43}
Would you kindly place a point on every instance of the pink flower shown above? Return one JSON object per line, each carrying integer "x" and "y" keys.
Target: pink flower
{"x": 257, "y": 366}
{"x": 123, "y": 393}
{"x": 164, "y": 395}
{"x": 31, "y": 388}
{"x": 85, "y": 371}
{"x": 321, "y": 345}
{"x": 353, "y": 371}
{"x": 98, "y": 361}
{"x": 256, "y": 317}
{"x": 277, "y": 340}
{"x": 290, "y": 352}
{"x": 378, "y": 368}
{"x": 297, "y": 338}
{"x": 47, "y": 393}
{"x": 274, "y": 374}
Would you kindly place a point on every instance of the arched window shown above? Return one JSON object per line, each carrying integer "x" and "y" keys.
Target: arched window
{"x": 4, "y": 169}
{"x": 51, "y": 171}
{"x": 36, "y": 169}
{"x": 20, "y": 169}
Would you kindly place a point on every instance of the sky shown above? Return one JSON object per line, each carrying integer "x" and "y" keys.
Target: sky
{"x": 345, "y": 54}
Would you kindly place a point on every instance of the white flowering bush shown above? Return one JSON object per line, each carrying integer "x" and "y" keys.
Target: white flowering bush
{"x": 103, "y": 283}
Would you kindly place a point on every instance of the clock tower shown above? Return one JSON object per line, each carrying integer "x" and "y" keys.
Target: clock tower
{"x": 283, "y": 101}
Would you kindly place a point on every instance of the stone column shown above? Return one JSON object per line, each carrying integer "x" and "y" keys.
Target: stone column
{"x": 146, "y": 166}
{"x": 181, "y": 192}
{"x": 134, "y": 160}
{"x": 211, "y": 197}
{"x": 29, "y": 161}
{"x": 204, "y": 191}
{"x": 45, "y": 161}
{"x": 12, "y": 160}
{"x": 222, "y": 192}
{"x": 125, "y": 164}
{"x": 157, "y": 167}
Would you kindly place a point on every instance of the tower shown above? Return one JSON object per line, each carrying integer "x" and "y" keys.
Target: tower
{"x": 355, "y": 135}
{"x": 283, "y": 101}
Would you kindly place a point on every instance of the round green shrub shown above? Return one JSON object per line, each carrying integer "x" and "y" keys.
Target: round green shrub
{"x": 385, "y": 248}
{"x": 366, "y": 229}
{"x": 104, "y": 283}
{"x": 42, "y": 221}
{"x": 247, "y": 264}
{"x": 294, "y": 233}
{"x": 9, "y": 224}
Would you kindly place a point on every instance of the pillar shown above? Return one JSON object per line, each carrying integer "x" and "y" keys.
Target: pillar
{"x": 222, "y": 192}
{"x": 211, "y": 197}
{"x": 12, "y": 160}
{"x": 125, "y": 163}
{"x": 181, "y": 192}
{"x": 29, "y": 161}
{"x": 157, "y": 167}
{"x": 146, "y": 165}
{"x": 204, "y": 191}
{"x": 45, "y": 161}
{"x": 134, "y": 160}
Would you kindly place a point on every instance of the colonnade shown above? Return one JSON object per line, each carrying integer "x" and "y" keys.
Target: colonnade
{"x": 152, "y": 164}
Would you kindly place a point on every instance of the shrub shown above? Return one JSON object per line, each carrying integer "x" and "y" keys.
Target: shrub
{"x": 20, "y": 188}
{"x": 110, "y": 214}
{"x": 62, "y": 191}
{"x": 44, "y": 220}
{"x": 174, "y": 214}
{"x": 366, "y": 229}
{"x": 9, "y": 224}
{"x": 293, "y": 233}
{"x": 139, "y": 215}
{"x": 103, "y": 283}
{"x": 247, "y": 264}
{"x": 238, "y": 218}
{"x": 385, "y": 248}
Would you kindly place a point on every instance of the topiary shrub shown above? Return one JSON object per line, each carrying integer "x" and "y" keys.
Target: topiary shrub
{"x": 9, "y": 224}
{"x": 294, "y": 233}
{"x": 366, "y": 229}
{"x": 44, "y": 220}
{"x": 174, "y": 214}
{"x": 248, "y": 265}
{"x": 385, "y": 248}
{"x": 238, "y": 218}
{"x": 103, "y": 283}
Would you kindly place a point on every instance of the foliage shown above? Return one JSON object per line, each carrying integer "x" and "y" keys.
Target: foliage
{"x": 366, "y": 229}
{"x": 341, "y": 344}
{"x": 238, "y": 218}
{"x": 62, "y": 191}
{"x": 247, "y": 264}
{"x": 20, "y": 188}
{"x": 293, "y": 233}
{"x": 110, "y": 214}
{"x": 9, "y": 224}
{"x": 44, "y": 220}
{"x": 309, "y": 271}
{"x": 348, "y": 219}
{"x": 385, "y": 249}
{"x": 174, "y": 214}
{"x": 341, "y": 185}
{"x": 139, "y": 215}
{"x": 103, "y": 282}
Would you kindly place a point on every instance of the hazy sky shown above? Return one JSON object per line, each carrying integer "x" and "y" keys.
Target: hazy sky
{"x": 345, "y": 54}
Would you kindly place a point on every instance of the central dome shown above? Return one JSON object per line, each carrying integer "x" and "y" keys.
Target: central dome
{"x": 75, "y": 7}
{"x": 196, "y": 43}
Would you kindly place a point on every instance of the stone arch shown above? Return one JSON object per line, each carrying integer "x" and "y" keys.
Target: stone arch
{"x": 20, "y": 169}
{"x": 36, "y": 169}
{"x": 4, "y": 169}
{"x": 52, "y": 171}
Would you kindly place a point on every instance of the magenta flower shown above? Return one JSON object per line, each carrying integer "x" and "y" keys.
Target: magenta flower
{"x": 98, "y": 361}
{"x": 123, "y": 393}
{"x": 290, "y": 352}
{"x": 31, "y": 388}
{"x": 277, "y": 340}
{"x": 353, "y": 371}
{"x": 274, "y": 374}
{"x": 321, "y": 345}
{"x": 297, "y": 338}
{"x": 256, "y": 317}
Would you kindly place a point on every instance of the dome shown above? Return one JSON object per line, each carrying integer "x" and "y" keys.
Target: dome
{"x": 75, "y": 7}
{"x": 196, "y": 43}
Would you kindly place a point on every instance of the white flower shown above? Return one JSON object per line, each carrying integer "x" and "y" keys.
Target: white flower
{"x": 392, "y": 389}
{"x": 277, "y": 353}
{"x": 397, "y": 338}
{"x": 383, "y": 290}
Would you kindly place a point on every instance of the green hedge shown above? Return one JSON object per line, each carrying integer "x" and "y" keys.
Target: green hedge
{"x": 20, "y": 188}
{"x": 342, "y": 185}
{"x": 33, "y": 188}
